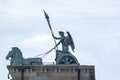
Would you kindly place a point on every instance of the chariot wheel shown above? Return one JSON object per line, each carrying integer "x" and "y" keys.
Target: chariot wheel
{"x": 67, "y": 59}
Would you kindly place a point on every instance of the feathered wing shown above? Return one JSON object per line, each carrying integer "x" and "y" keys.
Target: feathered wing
{"x": 70, "y": 41}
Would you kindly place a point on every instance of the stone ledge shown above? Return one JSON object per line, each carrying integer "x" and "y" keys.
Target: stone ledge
{"x": 51, "y": 66}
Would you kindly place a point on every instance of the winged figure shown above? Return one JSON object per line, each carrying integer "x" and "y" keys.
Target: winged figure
{"x": 66, "y": 41}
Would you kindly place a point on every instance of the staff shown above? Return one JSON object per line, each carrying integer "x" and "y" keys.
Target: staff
{"x": 47, "y": 17}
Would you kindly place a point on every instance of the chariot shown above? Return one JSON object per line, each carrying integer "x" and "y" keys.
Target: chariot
{"x": 65, "y": 58}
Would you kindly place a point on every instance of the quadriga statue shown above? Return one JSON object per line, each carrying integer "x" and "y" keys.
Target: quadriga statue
{"x": 16, "y": 58}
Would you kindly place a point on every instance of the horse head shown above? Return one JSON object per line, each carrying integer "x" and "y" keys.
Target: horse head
{"x": 14, "y": 55}
{"x": 10, "y": 55}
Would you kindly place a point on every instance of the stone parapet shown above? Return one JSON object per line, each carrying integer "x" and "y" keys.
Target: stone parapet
{"x": 52, "y": 72}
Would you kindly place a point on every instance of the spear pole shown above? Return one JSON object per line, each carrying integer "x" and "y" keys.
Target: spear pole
{"x": 48, "y": 21}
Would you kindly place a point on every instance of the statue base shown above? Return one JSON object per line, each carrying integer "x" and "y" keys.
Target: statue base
{"x": 52, "y": 72}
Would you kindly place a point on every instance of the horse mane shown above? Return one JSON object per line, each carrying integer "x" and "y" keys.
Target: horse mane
{"x": 17, "y": 50}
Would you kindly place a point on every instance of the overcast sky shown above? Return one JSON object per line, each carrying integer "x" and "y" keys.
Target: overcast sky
{"x": 93, "y": 24}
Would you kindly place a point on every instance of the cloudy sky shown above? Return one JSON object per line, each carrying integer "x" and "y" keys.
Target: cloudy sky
{"x": 93, "y": 24}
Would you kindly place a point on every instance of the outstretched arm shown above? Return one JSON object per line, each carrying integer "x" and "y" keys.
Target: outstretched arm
{"x": 56, "y": 37}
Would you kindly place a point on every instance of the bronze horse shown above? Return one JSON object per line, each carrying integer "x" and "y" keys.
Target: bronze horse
{"x": 16, "y": 58}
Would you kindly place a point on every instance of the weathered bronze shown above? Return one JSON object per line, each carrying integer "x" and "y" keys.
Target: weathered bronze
{"x": 66, "y": 41}
{"x": 62, "y": 56}
{"x": 16, "y": 58}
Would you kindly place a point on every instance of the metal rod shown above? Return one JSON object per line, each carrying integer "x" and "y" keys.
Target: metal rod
{"x": 47, "y": 17}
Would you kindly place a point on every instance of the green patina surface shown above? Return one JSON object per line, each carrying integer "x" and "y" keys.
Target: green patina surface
{"x": 16, "y": 58}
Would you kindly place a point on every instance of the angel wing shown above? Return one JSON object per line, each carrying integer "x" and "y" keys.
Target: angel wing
{"x": 70, "y": 41}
